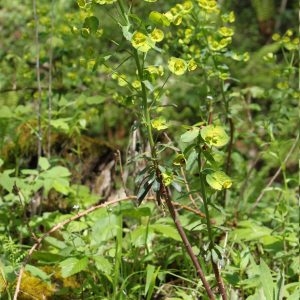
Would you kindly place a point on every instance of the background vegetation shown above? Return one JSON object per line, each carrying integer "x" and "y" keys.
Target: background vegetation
{"x": 115, "y": 113}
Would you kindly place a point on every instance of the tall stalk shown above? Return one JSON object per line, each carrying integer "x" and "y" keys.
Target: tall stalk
{"x": 209, "y": 229}
{"x": 163, "y": 189}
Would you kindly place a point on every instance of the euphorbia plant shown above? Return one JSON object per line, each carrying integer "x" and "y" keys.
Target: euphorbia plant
{"x": 190, "y": 36}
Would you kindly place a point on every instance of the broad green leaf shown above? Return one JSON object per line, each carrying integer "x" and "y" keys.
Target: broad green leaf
{"x": 5, "y": 112}
{"x": 55, "y": 242}
{"x": 92, "y": 23}
{"x": 57, "y": 171}
{"x": 142, "y": 235}
{"x": 103, "y": 264}
{"x": 30, "y": 172}
{"x": 158, "y": 18}
{"x": 61, "y": 185}
{"x": 44, "y": 163}
{"x": 6, "y": 181}
{"x": 76, "y": 226}
{"x": 250, "y": 231}
{"x": 214, "y": 135}
{"x": 167, "y": 230}
{"x": 190, "y": 135}
{"x": 61, "y": 124}
{"x": 37, "y": 272}
{"x": 137, "y": 212}
{"x": 219, "y": 180}
{"x": 45, "y": 256}
{"x": 72, "y": 265}
{"x": 94, "y": 100}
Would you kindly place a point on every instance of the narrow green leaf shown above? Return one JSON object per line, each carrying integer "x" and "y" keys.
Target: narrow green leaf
{"x": 143, "y": 191}
{"x": 149, "y": 280}
{"x": 266, "y": 280}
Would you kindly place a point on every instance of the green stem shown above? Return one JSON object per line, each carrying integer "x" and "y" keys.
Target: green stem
{"x": 205, "y": 203}
{"x": 218, "y": 277}
{"x": 146, "y": 111}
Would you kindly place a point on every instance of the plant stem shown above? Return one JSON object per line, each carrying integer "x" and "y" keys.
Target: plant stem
{"x": 38, "y": 79}
{"x": 163, "y": 189}
{"x": 146, "y": 113}
{"x": 174, "y": 215}
{"x": 219, "y": 279}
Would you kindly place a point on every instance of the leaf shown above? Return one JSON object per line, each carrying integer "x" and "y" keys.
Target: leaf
{"x": 142, "y": 235}
{"x": 266, "y": 280}
{"x": 71, "y": 266}
{"x": 6, "y": 181}
{"x": 94, "y": 100}
{"x": 61, "y": 124}
{"x": 219, "y": 180}
{"x": 55, "y": 242}
{"x": 37, "y": 272}
{"x": 249, "y": 231}
{"x": 151, "y": 276}
{"x": 167, "y": 230}
{"x": 44, "y": 163}
{"x": 190, "y": 135}
{"x": 92, "y": 23}
{"x": 214, "y": 135}
{"x": 136, "y": 213}
{"x": 61, "y": 185}
{"x": 103, "y": 264}
{"x": 143, "y": 191}
{"x": 5, "y": 112}
{"x": 191, "y": 160}
{"x": 76, "y": 226}
{"x": 158, "y": 18}
{"x": 126, "y": 32}
{"x": 57, "y": 171}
